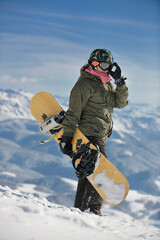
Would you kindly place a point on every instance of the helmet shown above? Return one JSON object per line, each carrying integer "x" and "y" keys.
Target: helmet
{"x": 100, "y": 55}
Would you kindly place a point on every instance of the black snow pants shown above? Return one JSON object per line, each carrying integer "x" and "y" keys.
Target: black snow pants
{"x": 86, "y": 196}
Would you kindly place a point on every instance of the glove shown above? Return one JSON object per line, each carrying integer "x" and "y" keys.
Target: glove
{"x": 65, "y": 145}
{"x": 115, "y": 71}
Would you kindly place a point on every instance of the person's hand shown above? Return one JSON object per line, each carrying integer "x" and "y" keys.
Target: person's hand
{"x": 115, "y": 71}
{"x": 65, "y": 145}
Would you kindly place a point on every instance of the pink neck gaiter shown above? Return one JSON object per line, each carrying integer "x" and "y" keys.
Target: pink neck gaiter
{"x": 105, "y": 77}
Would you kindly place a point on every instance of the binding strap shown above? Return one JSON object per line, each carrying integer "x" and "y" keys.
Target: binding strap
{"x": 88, "y": 160}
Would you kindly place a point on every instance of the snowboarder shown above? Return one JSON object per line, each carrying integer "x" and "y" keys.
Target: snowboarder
{"x": 91, "y": 105}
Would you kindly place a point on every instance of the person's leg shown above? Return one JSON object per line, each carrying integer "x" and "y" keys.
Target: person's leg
{"x": 80, "y": 193}
{"x": 91, "y": 198}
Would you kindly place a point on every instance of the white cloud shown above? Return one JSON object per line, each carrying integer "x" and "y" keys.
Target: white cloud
{"x": 9, "y": 79}
{"x": 109, "y": 20}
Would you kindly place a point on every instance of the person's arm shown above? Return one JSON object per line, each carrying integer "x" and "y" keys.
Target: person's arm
{"x": 78, "y": 99}
{"x": 121, "y": 92}
{"x": 121, "y": 97}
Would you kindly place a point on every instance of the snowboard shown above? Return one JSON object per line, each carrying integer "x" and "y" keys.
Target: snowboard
{"x": 108, "y": 181}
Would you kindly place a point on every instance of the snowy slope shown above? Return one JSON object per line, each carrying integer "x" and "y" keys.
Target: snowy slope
{"x": 27, "y": 217}
{"x": 15, "y": 104}
{"x": 43, "y": 171}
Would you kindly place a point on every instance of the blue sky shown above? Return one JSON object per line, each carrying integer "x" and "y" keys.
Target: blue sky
{"x": 43, "y": 44}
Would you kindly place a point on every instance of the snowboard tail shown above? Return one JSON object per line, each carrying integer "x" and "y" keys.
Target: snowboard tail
{"x": 108, "y": 181}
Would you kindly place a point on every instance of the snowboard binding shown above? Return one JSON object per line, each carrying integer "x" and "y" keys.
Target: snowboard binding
{"x": 87, "y": 163}
{"x": 51, "y": 124}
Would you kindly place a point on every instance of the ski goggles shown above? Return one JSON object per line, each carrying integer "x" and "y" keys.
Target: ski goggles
{"x": 103, "y": 65}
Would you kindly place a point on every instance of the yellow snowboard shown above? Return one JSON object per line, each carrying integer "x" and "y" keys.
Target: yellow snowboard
{"x": 109, "y": 182}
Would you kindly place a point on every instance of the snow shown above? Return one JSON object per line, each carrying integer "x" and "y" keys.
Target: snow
{"x": 123, "y": 127}
{"x": 9, "y": 174}
{"x": 71, "y": 182}
{"x": 26, "y": 217}
{"x": 114, "y": 192}
{"x": 31, "y": 189}
{"x": 128, "y": 153}
{"x": 157, "y": 182}
{"x": 14, "y": 104}
{"x": 118, "y": 141}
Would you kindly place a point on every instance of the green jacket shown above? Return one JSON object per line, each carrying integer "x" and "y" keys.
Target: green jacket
{"x": 91, "y": 106}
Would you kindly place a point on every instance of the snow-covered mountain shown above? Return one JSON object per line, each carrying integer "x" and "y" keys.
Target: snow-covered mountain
{"x": 43, "y": 171}
{"x": 26, "y": 217}
{"x": 15, "y": 104}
